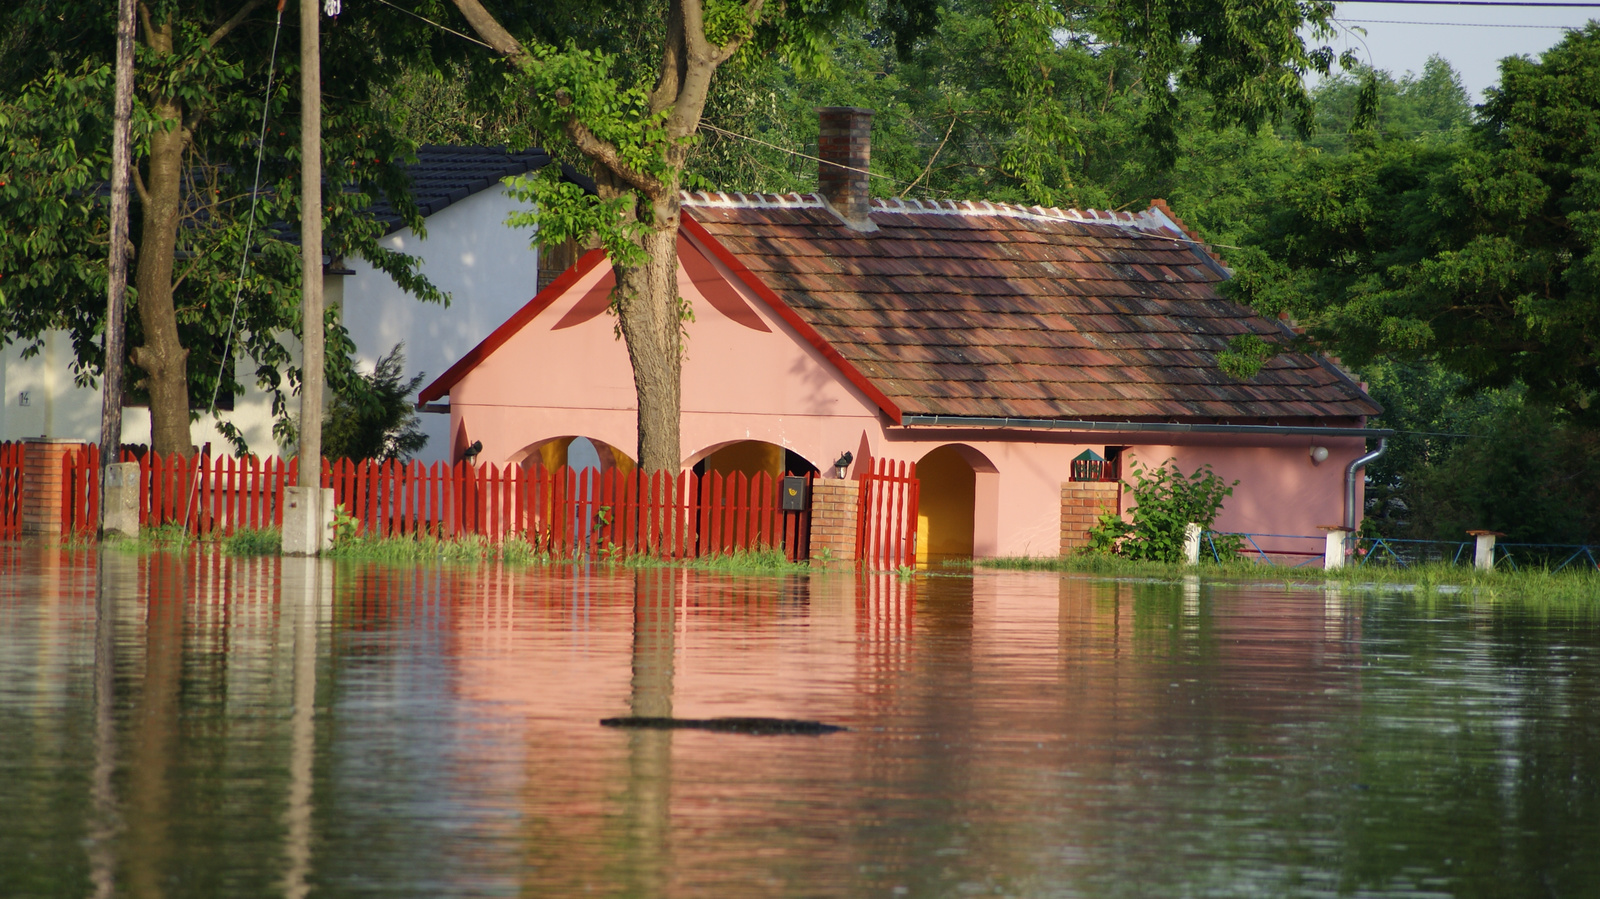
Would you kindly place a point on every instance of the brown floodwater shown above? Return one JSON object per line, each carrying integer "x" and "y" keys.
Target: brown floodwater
{"x": 177, "y": 726}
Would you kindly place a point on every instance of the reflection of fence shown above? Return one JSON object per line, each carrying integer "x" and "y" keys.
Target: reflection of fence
{"x": 10, "y": 490}
{"x": 886, "y": 529}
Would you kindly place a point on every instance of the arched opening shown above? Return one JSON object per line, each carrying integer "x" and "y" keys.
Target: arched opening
{"x": 955, "y": 504}
{"x": 576, "y": 452}
{"x": 752, "y": 457}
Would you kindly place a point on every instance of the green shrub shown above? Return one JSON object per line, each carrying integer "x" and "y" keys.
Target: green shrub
{"x": 1165, "y": 501}
{"x": 254, "y": 542}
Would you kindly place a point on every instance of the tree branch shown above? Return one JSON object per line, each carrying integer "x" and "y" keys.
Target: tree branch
{"x": 752, "y": 12}
{"x": 490, "y": 29}
{"x": 138, "y": 183}
{"x": 606, "y": 153}
{"x": 673, "y": 64}
{"x": 227, "y": 27}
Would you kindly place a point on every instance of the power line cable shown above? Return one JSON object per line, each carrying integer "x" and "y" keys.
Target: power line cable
{"x": 1544, "y": 4}
{"x": 436, "y": 24}
{"x": 1459, "y": 24}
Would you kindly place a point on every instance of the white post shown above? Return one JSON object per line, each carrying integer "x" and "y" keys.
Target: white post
{"x": 1483, "y": 553}
{"x": 1191, "y": 543}
{"x": 1333, "y": 549}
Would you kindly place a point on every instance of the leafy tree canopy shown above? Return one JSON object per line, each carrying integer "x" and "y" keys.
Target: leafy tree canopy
{"x": 1482, "y": 253}
{"x": 201, "y": 90}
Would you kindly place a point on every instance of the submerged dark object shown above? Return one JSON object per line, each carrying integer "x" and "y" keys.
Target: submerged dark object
{"x": 761, "y": 727}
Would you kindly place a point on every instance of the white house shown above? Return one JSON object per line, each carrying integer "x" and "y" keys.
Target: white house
{"x": 489, "y": 270}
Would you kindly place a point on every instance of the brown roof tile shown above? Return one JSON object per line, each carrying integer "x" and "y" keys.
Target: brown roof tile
{"x": 998, "y": 311}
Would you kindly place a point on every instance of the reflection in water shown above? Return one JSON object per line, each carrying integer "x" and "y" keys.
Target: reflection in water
{"x": 202, "y": 726}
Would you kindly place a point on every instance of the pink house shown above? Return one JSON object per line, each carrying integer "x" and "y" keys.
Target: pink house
{"x": 993, "y": 345}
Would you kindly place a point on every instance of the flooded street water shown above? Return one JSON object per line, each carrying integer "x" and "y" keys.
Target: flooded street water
{"x": 201, "y": 726}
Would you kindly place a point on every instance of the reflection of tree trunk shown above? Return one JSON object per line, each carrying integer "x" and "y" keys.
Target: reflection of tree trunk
{"x": 649, "y": 792}
{"x": 301, "y": 598}
{"x": 654, "y": 608}
{"x": 149, "y": 807}
{"x": 116, "y": 576}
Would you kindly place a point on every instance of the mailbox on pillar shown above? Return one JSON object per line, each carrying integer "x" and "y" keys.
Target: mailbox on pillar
{"x": 795, "y": 494}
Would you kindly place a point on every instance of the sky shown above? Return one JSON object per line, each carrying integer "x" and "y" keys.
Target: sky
{"x": 1473, "y": 38}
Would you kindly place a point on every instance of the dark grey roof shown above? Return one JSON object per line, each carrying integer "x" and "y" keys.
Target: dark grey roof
{"x": 445, "y": 175}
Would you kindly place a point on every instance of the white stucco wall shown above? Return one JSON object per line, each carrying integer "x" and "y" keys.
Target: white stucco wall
{"x": 489, "y": 269}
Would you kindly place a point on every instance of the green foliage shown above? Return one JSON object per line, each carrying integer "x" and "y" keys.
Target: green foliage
{"x": 424, "y": 548}
{"x": 1245, "y": 356}
{"x": 1166, "y": 501}
{"x": 1469, "y": 459}
{"x": 372, "y": 416}
{"x": 253, "y": 542}
{"x": 54, "y": 153}
{"x": 1481, "y": 252}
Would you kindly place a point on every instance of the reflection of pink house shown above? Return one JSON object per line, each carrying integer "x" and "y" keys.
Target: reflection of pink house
{"x": 991, "y": 344}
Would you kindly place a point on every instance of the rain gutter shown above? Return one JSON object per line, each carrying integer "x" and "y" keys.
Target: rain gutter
{"x": 1350, "y": 482}
{"x": 1151, "y": 427}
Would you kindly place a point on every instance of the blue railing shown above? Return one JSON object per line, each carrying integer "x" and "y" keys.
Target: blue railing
{"x": 1264, "y": 555}
{"x": 1404, "y": 552}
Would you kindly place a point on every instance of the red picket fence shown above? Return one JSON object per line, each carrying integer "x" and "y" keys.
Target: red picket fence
{"x": 80, "y": 492}
{"x": 11, "y": 490}
{"x": 212, "y": 495}
{"x": 570, "y": 513}
{"x": 886, "y": 524}
{"x": 565, "y": 513}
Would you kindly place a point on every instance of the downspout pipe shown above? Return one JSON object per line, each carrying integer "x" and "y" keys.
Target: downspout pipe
{"x": 1350, "y": 482}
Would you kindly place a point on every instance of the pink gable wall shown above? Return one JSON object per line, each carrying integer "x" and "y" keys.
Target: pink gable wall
{"x": 738, "y": 384}
{"x": 745, "y": 384}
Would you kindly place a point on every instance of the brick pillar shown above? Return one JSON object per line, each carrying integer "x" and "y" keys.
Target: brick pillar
{"x": 1081, "y": 505}
{"x": 833, "y": 518}
{"x": 42, "y": 486}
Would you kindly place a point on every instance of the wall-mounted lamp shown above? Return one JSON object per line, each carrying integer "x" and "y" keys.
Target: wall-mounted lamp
{"x": 842, "y": 463}
{"x": 1319, "y": 454}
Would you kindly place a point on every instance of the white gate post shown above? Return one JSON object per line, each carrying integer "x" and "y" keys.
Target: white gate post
{"x": 1191, "y": 543}
{"x": 1333, "y": 548}
{"x": 1483, "y": 553}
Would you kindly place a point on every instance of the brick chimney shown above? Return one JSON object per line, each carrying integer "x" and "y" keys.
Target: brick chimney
{"x": 845, "y": 147}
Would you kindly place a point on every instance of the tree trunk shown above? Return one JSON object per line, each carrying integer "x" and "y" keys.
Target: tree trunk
{"x": 648, "y": 304}
{"x": 162, "y": 356}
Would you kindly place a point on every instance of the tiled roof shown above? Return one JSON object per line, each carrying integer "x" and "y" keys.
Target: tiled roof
{"x": 991, "y": 310}
{"x": 445, "y": 175}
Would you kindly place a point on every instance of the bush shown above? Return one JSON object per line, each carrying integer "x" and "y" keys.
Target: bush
{"x": 373, "y": 418}
{"x": 1166, "y": 501}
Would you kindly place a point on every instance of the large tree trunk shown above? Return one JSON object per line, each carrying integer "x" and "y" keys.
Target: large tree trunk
{"x": 647, "y": 312}
{"x": 162, "y": 356}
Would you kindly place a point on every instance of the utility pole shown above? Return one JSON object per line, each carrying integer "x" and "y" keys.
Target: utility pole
{"x": 311, "y": 361}
{"x": 309, "y": 509}
{"x": 112, "y": 480}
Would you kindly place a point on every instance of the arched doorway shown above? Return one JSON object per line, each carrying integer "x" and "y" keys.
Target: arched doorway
{"x": 955, "y": 504}
{"x": 576, "y": 452}
{"x": 752, "y": 457}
